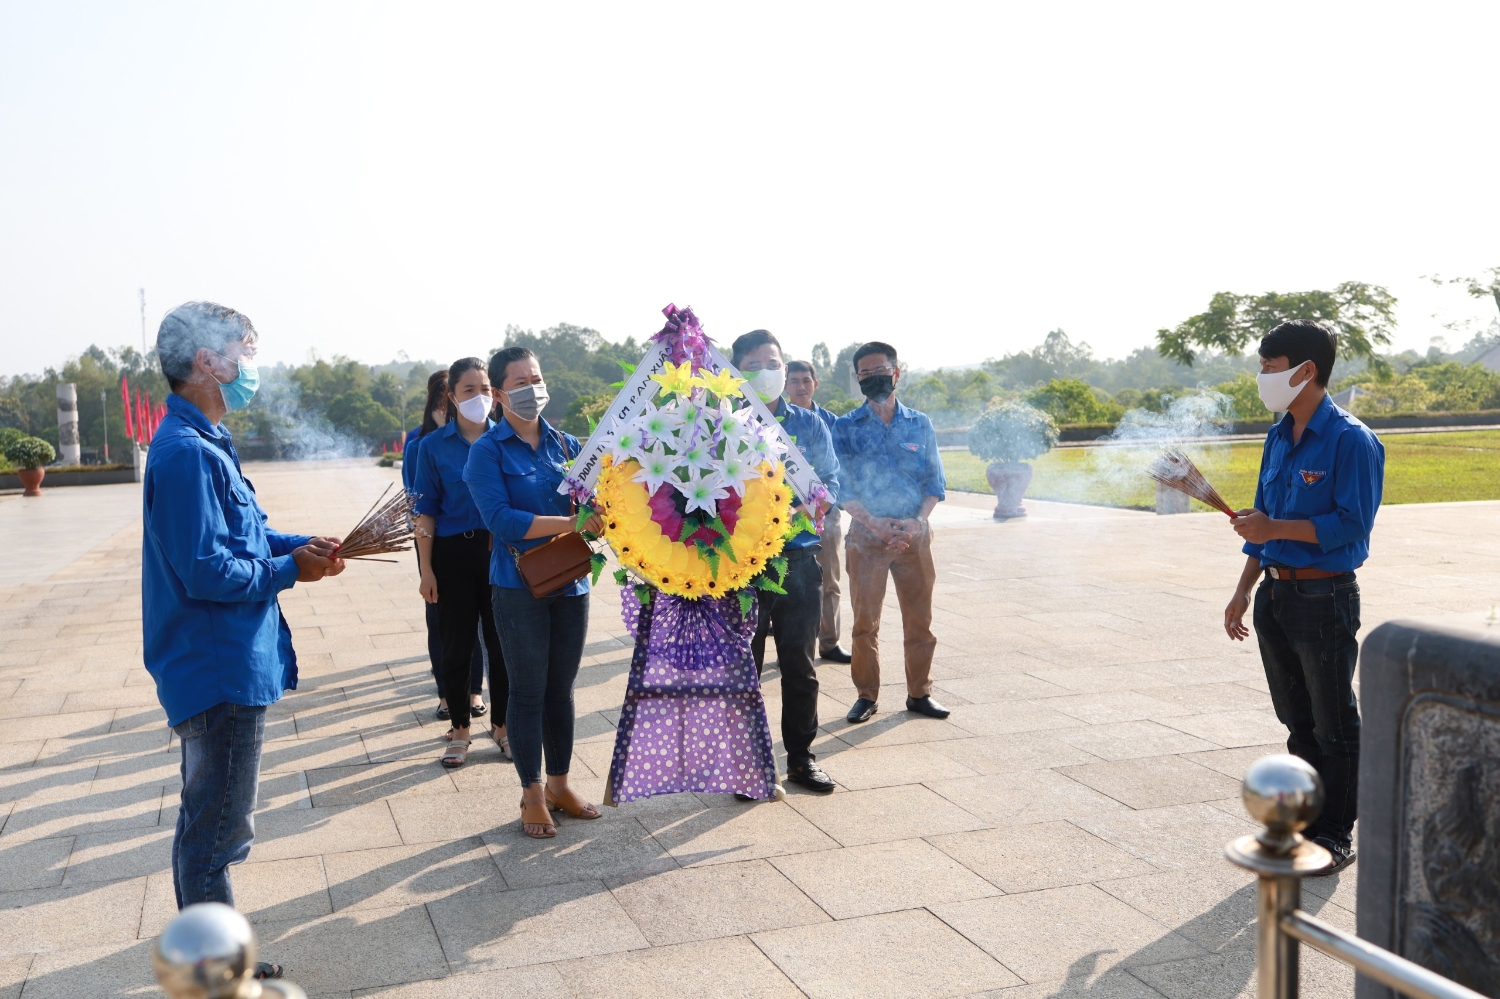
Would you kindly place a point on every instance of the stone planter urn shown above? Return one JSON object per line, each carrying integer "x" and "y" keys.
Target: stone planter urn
{"x": 1009, "y": 479}
{"x": 31, "y": 479}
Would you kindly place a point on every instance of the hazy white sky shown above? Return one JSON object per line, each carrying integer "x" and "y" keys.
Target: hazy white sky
{"x": 955, "y": 178}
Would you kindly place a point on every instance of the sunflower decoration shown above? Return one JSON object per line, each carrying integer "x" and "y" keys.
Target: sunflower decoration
{"x": 692, "y": 494}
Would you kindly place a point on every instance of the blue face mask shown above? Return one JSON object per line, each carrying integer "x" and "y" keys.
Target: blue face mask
{"x": 238, "y": 393}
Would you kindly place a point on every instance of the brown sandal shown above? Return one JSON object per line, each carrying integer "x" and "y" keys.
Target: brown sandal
{"x": 573, "y": 805}
{"x": 533, "y": 820}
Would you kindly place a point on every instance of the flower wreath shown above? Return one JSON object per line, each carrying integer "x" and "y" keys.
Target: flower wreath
{"x": 692, "y": 492}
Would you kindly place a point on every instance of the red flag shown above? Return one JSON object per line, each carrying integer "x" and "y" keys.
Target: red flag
{"x": 140, "y": 417}
{"x": 125, "y": 399}
{"x": 398, "y": 444}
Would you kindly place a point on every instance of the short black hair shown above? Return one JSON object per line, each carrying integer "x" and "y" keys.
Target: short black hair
{"x": 750, "y": 341}
{"x": 1300, "y": 341}
{"x": 874, "y": 347}
{"x": 807, "y": 366}
{"x": 503, "y": 359}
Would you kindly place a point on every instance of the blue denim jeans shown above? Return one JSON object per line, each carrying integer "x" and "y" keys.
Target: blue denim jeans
{"x": 216, "y": 822}
{"x": 1306, "y": 632}
{"x": 542, "y": 638}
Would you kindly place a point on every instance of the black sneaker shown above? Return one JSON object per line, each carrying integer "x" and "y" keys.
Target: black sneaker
{"x": 1342, "y": 854}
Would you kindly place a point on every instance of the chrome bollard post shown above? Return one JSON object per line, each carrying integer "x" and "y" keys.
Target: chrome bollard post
{"x": 208, "y": 952}
{"x": 1284, "y": 794}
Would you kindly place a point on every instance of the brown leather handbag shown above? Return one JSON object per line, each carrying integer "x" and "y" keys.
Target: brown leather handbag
{"x": 560, "y": 562}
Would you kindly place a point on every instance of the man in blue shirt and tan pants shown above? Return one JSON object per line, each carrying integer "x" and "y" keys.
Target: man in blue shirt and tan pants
{"x": 215, "y": 640}
{"x": 1321, "y": 475}
{"x": 892, "y": 478}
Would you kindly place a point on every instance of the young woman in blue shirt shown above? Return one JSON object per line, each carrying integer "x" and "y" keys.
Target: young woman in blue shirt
{"x": 513, "y": 474}
{"x": 454, "y": 549}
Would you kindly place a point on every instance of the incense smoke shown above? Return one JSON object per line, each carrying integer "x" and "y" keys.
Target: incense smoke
{"x": 294, "y": 433}
{"x": 1117, "y": 464}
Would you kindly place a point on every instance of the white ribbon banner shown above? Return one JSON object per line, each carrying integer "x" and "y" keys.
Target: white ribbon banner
{"x": 640, "y": 389}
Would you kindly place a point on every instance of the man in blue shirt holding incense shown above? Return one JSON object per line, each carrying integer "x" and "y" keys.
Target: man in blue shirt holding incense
{"x": 215, "y": 640}
{"x": 1321, "y": 475}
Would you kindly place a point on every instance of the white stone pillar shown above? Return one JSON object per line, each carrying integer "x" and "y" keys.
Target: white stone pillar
{"x": 1170, "y": 501}
{"x": 67, "y": 424}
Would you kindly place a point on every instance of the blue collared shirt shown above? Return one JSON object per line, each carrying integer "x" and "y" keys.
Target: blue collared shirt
{"x": 439, "y": 484}
{"x": 210, "y": 573}
{"x": 891, "y": 469}
{"x": 812, "y": 438}
{"x": 512, "y": 485}
{"x": 409, "y": 459}
{"x": 828, "y": 416}
{"x": 1333, "y": 477}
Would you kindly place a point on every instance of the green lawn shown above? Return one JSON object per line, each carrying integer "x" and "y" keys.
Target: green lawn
{"x": 1419, "y": 468}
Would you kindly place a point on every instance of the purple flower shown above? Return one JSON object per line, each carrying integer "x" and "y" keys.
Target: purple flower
{"x": 684, "y": 337}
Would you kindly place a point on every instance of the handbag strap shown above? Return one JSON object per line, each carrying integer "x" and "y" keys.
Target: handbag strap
{"x": 562, "y": 443}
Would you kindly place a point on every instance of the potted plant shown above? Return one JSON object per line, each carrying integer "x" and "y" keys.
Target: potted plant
{"x": 30, "y": 454}
{"x": 1007, "y": 436}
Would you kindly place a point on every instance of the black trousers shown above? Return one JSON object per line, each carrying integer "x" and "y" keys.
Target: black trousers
{"x": 1306, "y": 632}
{"x": 793, "y": 619}
{"x": 461, "y": 565}
{"x": 435, "y": 652}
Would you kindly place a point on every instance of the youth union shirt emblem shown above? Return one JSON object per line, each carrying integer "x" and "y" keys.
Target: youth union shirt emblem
{"x": 1311, "y": 478}
{"x": 915, "y": 447}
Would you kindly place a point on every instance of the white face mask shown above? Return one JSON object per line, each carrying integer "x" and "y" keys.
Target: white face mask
{"x": 476, "y": 409}
{"x": 768, "y": 383}
{"x": 1276, "y": 389}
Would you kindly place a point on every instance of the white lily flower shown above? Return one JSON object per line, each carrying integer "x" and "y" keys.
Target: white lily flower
{"x": 656, "y": 468}
{"x": 698, "y": 458}
{"x": 703, "y": 492}
{"x": 628, "y": 445}
{"x": 659, "y": 424}
{"x": 737, "y": 471}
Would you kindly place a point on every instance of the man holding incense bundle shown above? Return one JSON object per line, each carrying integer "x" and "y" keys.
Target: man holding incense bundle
{"x": 215, "y": 640}
{"x": 1321, "y": 475}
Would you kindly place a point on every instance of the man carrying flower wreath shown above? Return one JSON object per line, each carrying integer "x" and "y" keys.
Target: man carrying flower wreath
{"x": 793, "y": 617}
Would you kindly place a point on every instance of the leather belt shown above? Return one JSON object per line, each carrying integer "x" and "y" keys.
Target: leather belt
{"x": 1287, "y": 572}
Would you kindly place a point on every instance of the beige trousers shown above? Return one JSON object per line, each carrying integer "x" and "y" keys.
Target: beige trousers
{"x": 828, "y": 558}
{"x": 868, "y": 564}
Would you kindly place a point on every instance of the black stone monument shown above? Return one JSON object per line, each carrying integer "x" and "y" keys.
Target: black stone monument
{"x": 1429, "y": 800}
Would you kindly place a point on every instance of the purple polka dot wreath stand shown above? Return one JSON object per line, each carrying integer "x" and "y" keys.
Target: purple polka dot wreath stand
{"x": 693, "y": 718}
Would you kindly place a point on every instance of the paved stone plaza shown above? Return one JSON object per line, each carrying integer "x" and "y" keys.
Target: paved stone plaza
{"x": 1060, "y": 835}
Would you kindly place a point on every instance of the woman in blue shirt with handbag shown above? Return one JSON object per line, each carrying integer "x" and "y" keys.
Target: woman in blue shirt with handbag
{"x": 454, "y": 549}
{"x": 513, "y": 474}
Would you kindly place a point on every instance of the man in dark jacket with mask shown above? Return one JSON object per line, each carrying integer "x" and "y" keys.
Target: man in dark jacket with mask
{"x": 891, "y": 478}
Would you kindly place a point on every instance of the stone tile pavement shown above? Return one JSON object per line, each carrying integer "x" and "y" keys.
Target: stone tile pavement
{"x": 1060, "y": 835}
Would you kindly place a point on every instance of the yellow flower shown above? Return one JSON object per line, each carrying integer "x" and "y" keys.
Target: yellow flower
{"x": 724, "y": 384}
{"x": 676, "y": 378}
{"x": 677, "y": 568}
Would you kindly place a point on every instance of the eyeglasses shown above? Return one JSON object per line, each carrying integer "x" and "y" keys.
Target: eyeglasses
{"x": 873, "y": 372}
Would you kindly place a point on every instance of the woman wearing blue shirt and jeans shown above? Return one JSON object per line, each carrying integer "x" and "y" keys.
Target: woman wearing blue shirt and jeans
{"x": 455, "y": 551}
{"x": 513, "y": 474}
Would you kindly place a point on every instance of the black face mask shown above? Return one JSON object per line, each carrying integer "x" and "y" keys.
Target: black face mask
{"x": 877, "y": 388}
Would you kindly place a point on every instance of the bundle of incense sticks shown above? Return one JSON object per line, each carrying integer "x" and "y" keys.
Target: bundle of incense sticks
{"x": 1176, "y": 470}
{"x": 387, "y": 527}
